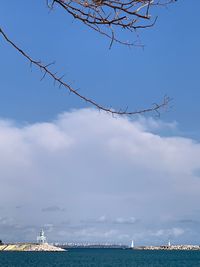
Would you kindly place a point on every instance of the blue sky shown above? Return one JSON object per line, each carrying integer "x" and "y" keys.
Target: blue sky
{"x": 119, "y": 77}
{"x": 138, "y": 177}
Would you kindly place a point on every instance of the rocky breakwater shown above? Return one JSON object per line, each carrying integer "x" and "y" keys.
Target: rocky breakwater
{"x": 29, "y": 247}
{"x": 172, "y": 247}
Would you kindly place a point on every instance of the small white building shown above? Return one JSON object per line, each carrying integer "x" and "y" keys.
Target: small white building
{"x": 41, "y": 239}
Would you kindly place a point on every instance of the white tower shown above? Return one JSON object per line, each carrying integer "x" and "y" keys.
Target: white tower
{"x": 132, "y": 244}
{"x": 41, "y": 239}
{"x": 169, "y": 243}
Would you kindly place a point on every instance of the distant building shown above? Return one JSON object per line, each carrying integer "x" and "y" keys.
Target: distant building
{"x": 41, "y": 239}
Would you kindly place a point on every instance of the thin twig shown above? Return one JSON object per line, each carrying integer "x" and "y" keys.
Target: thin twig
{"x": 47, "y": 71}
{"x": 109, "y": 16}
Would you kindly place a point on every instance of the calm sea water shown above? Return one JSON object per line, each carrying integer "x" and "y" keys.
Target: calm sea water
{"x": 101, "y": 258}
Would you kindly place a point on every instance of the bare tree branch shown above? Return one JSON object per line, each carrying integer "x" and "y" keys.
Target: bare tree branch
{"x": 46, "y": 71}
{"x": 109, "y": 16}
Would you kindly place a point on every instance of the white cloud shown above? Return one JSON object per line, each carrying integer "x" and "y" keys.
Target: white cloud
{"x": 90, "y": 164}
{"x": 173, "y": 232}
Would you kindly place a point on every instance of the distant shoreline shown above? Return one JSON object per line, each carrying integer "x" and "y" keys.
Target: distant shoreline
{"x": 162, "y": 247}
{"x": 172, "y": 247}
{"x": 47, "y": 247}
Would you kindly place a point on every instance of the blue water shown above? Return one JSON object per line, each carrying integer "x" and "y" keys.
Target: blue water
{"x": 101, "y": 258}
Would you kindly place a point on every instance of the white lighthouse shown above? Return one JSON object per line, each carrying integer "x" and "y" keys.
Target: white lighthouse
{"x": 132, "y": 244}
{"x": 41, "y": 239}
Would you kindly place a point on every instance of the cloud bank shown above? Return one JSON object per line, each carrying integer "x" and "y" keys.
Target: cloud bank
{"x": 89, "y": 177}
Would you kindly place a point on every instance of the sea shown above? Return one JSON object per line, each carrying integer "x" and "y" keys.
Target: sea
{"x": 101, "y": 258}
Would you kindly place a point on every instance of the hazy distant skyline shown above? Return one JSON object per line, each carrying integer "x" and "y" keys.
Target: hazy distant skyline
{"x": 81, "y": 174}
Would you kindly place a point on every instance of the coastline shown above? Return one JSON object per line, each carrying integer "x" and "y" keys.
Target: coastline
{"x": 30, "y": 247}
{"x": 172, "y": 247}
